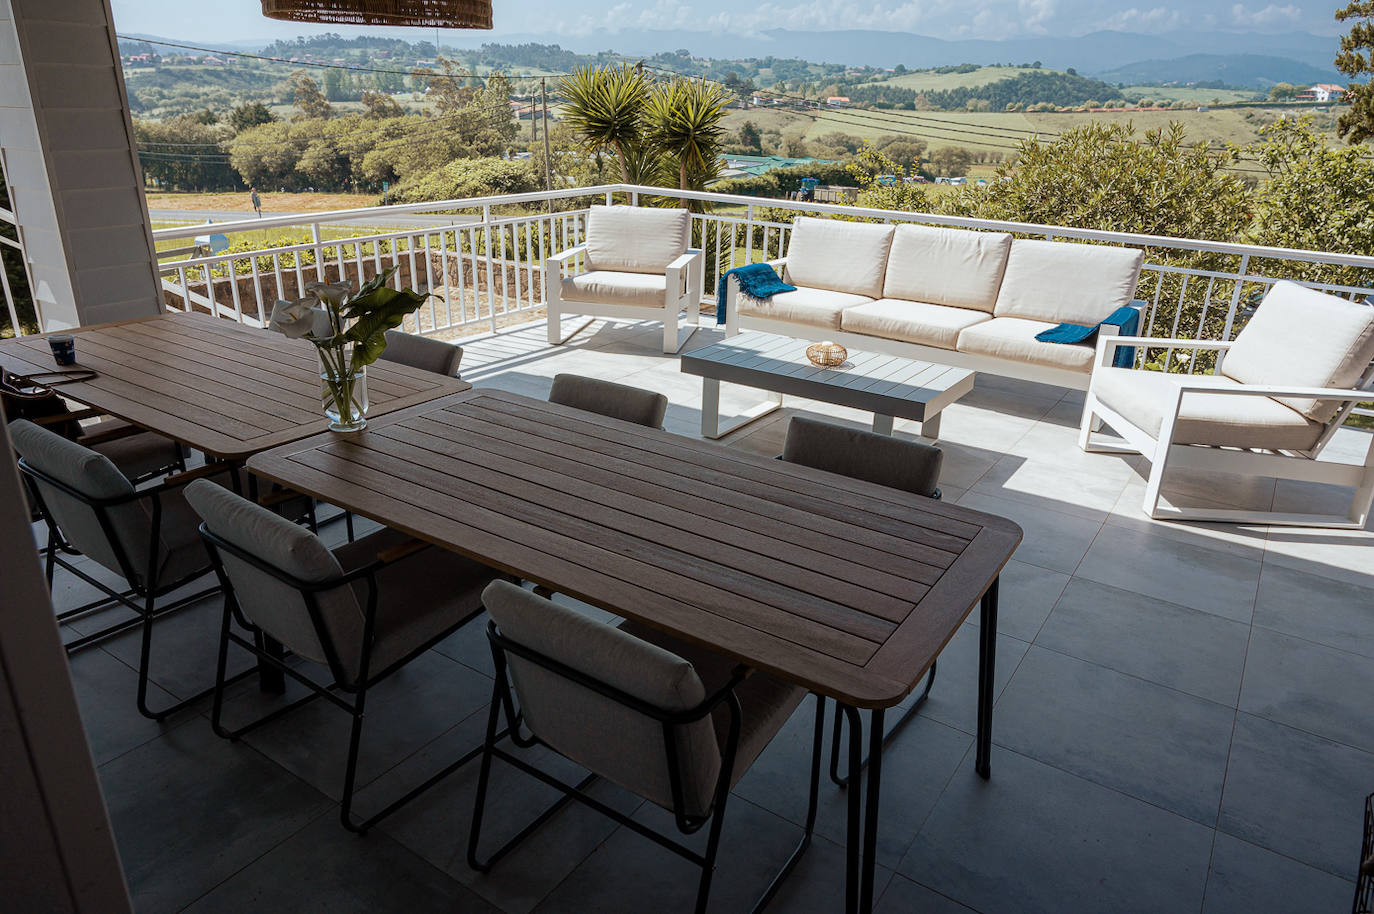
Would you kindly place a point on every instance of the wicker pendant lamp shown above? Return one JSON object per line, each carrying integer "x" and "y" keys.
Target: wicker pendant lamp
{"x": 445, "y": 14}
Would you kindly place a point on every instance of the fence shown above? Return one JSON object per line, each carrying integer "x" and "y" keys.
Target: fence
{"x": 482, "y": 259}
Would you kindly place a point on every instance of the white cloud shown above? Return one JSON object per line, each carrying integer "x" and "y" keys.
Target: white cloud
{"x": 1271, "y": 15}
{"x": 1155, "y": 19}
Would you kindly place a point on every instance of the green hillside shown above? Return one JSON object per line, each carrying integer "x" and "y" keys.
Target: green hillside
{"x": 931, "y": 81}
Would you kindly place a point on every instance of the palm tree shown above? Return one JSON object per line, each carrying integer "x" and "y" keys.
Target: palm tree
{"x": 683, "y": 120}
{"x": 606, "y": 105}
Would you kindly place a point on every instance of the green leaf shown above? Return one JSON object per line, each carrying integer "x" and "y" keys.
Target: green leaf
{"x": 385, "y": 312}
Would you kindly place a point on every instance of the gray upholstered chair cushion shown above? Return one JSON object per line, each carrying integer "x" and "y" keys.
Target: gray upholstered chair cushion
{"x": 882, "y": 459}
{"x": 94, "y": 476}
{"x": 422, "y": 352}
{"x": 272, "y": 604}
{"x": 600, "y": 734}
{"x": 618, "y": 401}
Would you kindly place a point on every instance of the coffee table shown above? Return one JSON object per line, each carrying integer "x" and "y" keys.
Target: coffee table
{"x": 889, "y": 386}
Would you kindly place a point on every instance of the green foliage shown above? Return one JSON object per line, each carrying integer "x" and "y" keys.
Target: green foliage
{"x": 683, "y": 121}
{"x": 468, "y": 178}
{"x": 308, "y": 98}
{"x": 783, "y": 181}
{"x": 249, "y": 114}
{"x": 1317, "y": 197}
{"x": 380, "y": 105}
{"x": 1355, "y": 60}
{"x": 184, "y": 153}
{"x": 1023, "y": 89}
{"x": 606, "y": 105}
{"x": 882, "y": 184}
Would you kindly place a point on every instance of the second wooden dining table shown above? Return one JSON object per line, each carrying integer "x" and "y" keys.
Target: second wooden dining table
{"x": 845, "y": 587}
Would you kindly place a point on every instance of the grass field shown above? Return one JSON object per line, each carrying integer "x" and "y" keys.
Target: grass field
{"x": 271, "y": 202}
{"x": 1196, "y": 96}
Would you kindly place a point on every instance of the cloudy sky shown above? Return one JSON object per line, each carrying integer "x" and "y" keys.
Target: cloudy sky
{"x": 207, "y": 21}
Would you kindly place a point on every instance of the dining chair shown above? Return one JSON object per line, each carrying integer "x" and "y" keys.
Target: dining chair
{"x": 363, "y": 611}
{"x": 884, "y": 460}
{"x": 606, "y": 398}
{"x": 146, "y": 536}
{"x": 422, "y": 352}
{"x": 671, "y": 722}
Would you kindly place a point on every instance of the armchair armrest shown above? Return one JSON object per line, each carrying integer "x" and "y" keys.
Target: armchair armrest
{"x": 1272, "y": 390}
{"x": 685, "y": 258}
{"x": 177, "y": 480}
{"x": 1158, "y": 342}
{"x": 679, "y": 273}
{"x": 563, "y": 257}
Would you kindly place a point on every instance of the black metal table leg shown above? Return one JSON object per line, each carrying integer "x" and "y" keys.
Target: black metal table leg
{"x": 875, "y": 776}
{"x": 853, "y": 848}
{"x": 987, "y": 662}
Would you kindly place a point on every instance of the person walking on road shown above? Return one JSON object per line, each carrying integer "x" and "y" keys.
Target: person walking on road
{"x": 257, "y": 201}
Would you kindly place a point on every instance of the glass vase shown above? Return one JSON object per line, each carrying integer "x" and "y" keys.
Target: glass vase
{"x": 343, "y": 389}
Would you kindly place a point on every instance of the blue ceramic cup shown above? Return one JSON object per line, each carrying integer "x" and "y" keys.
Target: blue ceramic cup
{"x": 63, "y": 348}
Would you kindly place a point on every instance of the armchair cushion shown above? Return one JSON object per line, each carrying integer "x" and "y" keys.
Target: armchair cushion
{"x": 1303, "y": 338}
{"x": 612, "y": 287}
{"x": 1014, "y": 338}
{"x": 1143, "y": 397}
{"x": 944, "y": 266}
{"x": 848, "y": 257}
{"x": 812, "y": 307}
{"x": 636, "y": 239}
{"x": 911, "y": 321}
{"x": 1062, "y": 282}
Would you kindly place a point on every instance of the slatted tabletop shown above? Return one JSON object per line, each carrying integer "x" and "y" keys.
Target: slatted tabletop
{"x": 212, "y": 384}
{"x": 848, "y": 588}
{"x": 892, "y": 385}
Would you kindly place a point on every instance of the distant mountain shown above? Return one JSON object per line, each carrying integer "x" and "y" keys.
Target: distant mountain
{"x": 1092, "y": 53}
{"x": 1241, "y": 70}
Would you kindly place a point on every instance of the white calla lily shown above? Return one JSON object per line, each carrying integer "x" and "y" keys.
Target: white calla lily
{"x": 294, "y": 319}
{"x": 333, "y": 294}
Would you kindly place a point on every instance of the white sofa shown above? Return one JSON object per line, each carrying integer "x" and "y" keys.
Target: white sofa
{"x": 1282, "y": 389}
{"x": 956, "y": 297}
{"x": 636, "y": 265}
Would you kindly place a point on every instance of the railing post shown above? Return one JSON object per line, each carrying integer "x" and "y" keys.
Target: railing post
{"x": 319, "y": 253}
{"x": 491, "y": 278}
{"x": 1235, "y": 297}
{"x": 748, "y": 236}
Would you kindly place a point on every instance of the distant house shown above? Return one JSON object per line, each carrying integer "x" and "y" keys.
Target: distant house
{"x": 212, "y": 61}
{"x": 1322, "y": 92}
{"x": 838, "y": 101}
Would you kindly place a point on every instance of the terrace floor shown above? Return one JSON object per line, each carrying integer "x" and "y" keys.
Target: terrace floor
{"x": 1183, "y": 719}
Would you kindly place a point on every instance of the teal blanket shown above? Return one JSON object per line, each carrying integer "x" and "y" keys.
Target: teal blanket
{"x": 756, "y": 280}
{"x": 1126, "y": 318}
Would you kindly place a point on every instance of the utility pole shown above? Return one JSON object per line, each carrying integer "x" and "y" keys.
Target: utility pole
{"x": 548, "y": 164}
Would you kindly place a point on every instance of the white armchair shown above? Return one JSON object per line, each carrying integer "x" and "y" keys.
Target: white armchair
{"x": 635, "y": 265}
{"x": 1281, "y": 391}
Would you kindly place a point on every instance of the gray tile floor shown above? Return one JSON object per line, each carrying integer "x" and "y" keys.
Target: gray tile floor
{"x": 1183, "y": 719}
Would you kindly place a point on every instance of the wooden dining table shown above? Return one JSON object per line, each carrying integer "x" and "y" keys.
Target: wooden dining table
{"x": 847, "y": 588}
{"x": 224, "y": 389}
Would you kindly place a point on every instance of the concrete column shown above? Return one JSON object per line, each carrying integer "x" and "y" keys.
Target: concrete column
{"x": 72, "y": 165}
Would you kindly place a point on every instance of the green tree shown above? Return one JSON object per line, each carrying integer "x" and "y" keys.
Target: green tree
{"x": 381, "y": 105}
{"x": 250, "y": 114}
{"x": 185, "y": 153}
{"x": 1283, "y": 91}
{"x": 750, "y": 140}
{"x": 683, "y": 122}
{"x": 949, "y": 161}
{"x": 606, "y": 106}
{"x": 1356, "y": 59}
{"x": 306, "y": 94}
{"x": 333, "y": 85}
{"x": 882, "y": 183}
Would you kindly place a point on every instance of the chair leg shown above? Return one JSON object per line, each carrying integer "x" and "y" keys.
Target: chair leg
{"x": 483, "y": 776}
{"x": 221, "y": 667}
{"x": 844, "y": 782}
{"x": 351, "y": 769}
{"x": 817, "y": 744}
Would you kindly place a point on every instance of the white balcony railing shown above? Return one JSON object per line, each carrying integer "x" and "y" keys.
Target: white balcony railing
{"x": 483, "y": 259}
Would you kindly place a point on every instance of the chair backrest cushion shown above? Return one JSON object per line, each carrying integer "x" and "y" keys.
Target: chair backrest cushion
{"x": 944, "y": 266}
{"x": 96, "y": 477}
{"x": 599, "y": 733}
{"x": 607, "y": 398}
{"x": 1063, "y": 282}
{"x": 636, "y": 239}
{"x": 270, "y": 603}
{"x": 1304, "y": 338}
{"x": 839, "y": 256}
{"x": 861, "y": 454}
{"x": 422, "y": 352}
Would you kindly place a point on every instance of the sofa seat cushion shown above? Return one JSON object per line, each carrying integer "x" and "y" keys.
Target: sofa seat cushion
{"x": 610, "y": 287}
{"x": 945, "y": 266}
{"x": 1013, "y": 338}
{"x": 636, "y": 239}
{"x": 813, "y": 307}
{"x": 1143, "y": 397}
{"x": 1303, "y": 338}
{"x": 1064, "y": 282}
{"x": 838, "y": 256}
{"x": 911, "y": 321}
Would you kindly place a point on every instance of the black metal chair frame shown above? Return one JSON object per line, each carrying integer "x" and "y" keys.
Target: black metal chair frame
{"x": 145, "y": 587}
{"x": 502, "y": 700}
{"x": 261, "y": 648}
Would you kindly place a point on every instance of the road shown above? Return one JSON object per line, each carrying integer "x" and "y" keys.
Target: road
{"x": 404, "y": 221}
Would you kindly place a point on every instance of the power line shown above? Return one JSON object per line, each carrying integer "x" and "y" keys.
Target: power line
{"x": 311, "y": 63}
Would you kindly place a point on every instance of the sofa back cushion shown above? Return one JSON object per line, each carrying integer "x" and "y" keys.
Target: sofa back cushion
{"x": 636, "y": 239}
{"x": 944, "y": 266}
{"x": 1303, "y": 338}
{"x": 838, "y": 256}
{"x": 1062, "y": 282}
